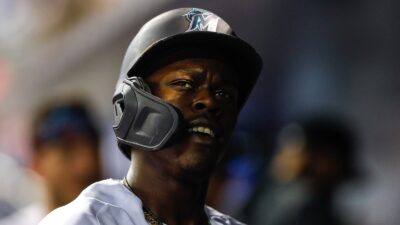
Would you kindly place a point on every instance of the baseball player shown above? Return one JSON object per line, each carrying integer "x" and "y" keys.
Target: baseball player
{"x": 65, "y": 144}
{"x": 183, "y": 81}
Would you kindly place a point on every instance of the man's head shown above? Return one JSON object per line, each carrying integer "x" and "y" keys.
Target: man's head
{"x": 142, "y": 119}
{"x": 320, "y": 149}
{"x": 66, "y": 154}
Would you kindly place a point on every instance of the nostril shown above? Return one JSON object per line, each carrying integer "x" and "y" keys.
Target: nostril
{"x": 199, "y": 106}
{"x": 203, "y": 106}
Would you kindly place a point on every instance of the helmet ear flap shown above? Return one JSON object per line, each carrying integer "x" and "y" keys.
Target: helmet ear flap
{"x": 119, "y": 104}
{"x": 119, "y": 107}
{"x": 141, "y": 119}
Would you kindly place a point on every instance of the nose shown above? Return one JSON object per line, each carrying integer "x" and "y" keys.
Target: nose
{"x": 206, "y": 103}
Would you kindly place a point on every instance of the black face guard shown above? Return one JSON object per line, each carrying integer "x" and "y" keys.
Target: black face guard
{"x": 142, "y": 119}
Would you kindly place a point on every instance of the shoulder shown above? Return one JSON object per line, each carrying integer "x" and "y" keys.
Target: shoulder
{"x": 81, "y": 211}
{"x": 100, "y": 203}
{"x": 218, "y": 218}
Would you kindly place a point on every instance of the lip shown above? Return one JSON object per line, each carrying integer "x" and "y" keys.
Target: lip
{"x": 203, "y": 140}
{"x": 203, "y": 122}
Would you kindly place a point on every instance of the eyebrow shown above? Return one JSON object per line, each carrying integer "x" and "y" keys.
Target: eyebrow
{"x": 192, "y": 71}
{"x": 198, "y": 72}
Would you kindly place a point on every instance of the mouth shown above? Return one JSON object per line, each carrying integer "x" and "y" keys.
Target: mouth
{"x": 204, "y": 130}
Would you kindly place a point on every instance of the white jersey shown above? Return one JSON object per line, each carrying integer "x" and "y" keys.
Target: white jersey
{"x": 108, "y": 202}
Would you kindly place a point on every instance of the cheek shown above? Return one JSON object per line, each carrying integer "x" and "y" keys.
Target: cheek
{"x": 49, "y": 163}
{"x": 230, "y": 116}
{"x": 179, "y": 100}
{"x": 52, "y": 166}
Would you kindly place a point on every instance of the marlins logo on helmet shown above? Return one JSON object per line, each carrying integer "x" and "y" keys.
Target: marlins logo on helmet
{"x": 201, "y": 20}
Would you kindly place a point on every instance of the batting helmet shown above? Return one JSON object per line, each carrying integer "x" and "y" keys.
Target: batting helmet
{"x": 146, "y": 121}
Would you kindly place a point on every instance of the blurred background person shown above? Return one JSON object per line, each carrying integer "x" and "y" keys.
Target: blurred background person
{"x": 315, "y": 157}
{"x": 65, "y": 156}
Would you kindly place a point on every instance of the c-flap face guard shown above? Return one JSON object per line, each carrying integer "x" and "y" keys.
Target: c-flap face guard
{"x": 142, "y": 119}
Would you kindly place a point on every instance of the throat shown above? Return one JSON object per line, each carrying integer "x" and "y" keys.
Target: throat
{"x": 170, "y": 203}
{"x": 169, "y": 185}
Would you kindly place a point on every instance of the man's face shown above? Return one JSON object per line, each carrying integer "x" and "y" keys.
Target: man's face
{"x": 68, "y": 167}
{"x": 204, "y": 90}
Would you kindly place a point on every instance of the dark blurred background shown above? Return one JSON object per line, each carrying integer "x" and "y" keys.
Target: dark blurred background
{"x": 320, "y": 57}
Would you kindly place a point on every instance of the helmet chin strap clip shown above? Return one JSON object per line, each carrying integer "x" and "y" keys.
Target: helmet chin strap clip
{"x": 141, "y": 119}
{"x": 139, "y": 83}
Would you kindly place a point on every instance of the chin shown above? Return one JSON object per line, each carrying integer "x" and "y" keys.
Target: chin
{"x": 198, "y": 167}
{"x": 196, "y": 161}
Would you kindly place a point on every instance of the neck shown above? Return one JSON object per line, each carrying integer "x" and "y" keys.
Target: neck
{"x": 171, "y": 200}
{"x": 52, "y": 200}
{"x": 50, "y": 205}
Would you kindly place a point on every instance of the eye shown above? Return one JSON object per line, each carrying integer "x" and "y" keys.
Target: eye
{"x": 182, "y": 84}
{"x": 223, "y": 94}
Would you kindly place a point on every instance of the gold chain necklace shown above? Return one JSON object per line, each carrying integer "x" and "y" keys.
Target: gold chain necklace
{"x": 148, "y": 215}
{"x": 151, "y": 218}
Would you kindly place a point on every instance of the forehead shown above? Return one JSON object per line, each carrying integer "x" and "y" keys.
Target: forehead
{"x": 196, "y": 67}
